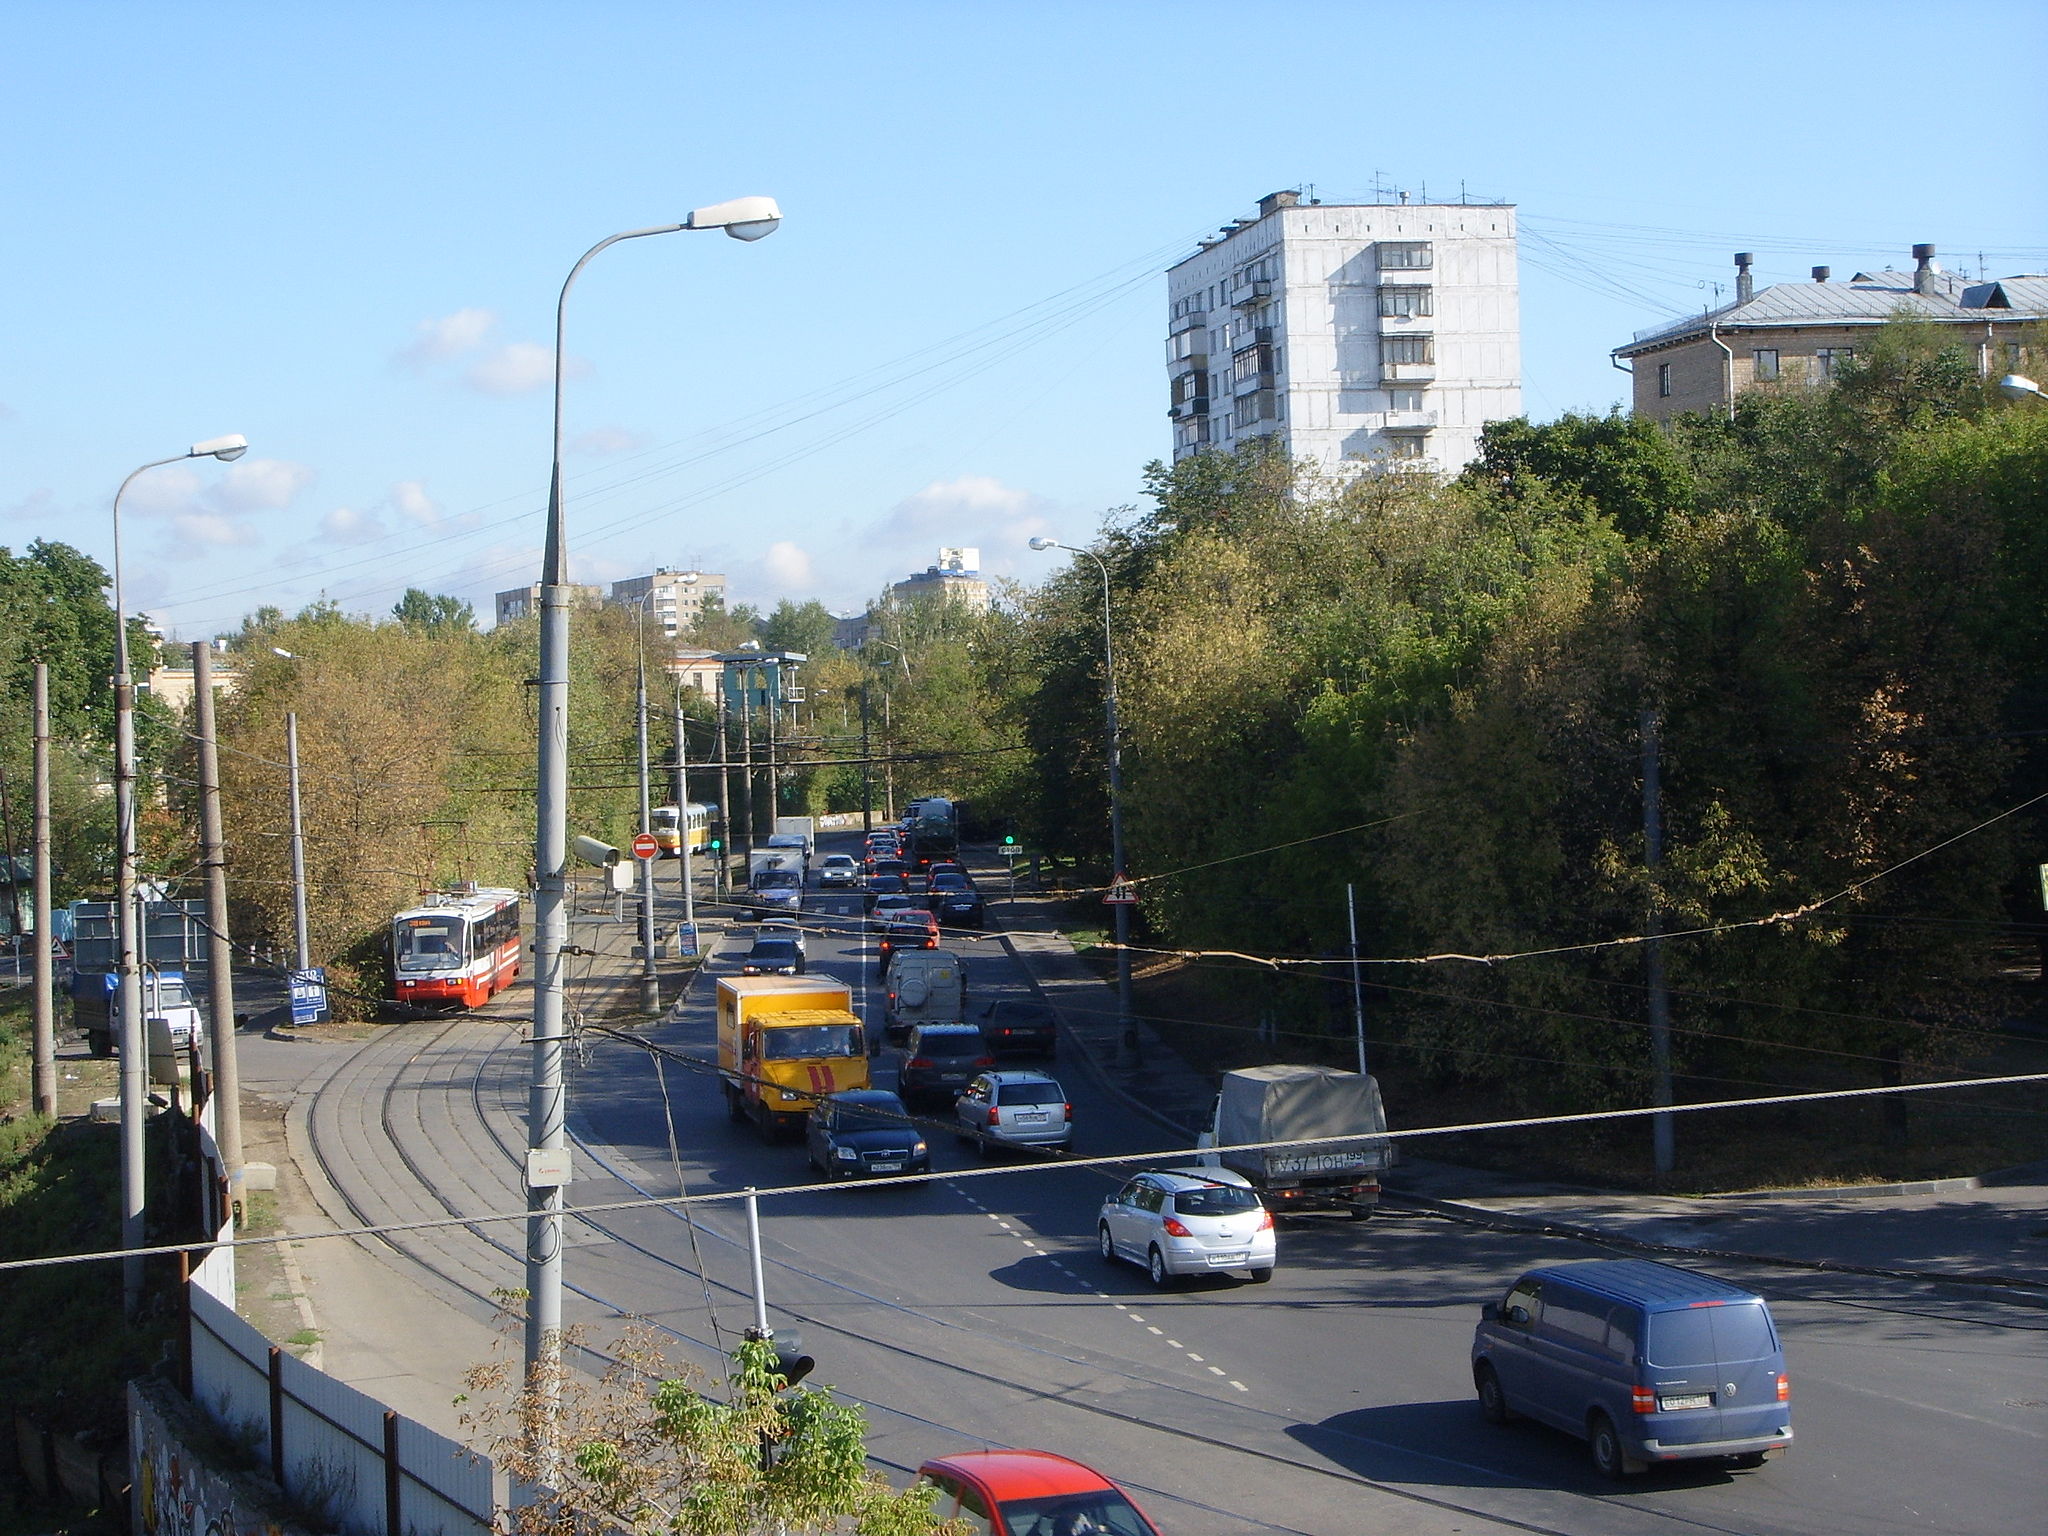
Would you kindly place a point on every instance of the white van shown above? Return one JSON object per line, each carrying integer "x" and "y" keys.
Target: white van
{"x": 925, "y": 986}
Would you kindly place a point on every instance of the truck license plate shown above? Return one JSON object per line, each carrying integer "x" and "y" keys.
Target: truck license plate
{"x": 1686, "y": 1400}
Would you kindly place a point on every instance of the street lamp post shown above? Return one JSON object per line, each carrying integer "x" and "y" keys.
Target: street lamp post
{"x": 1127, "y": 1023}
{"x": 134, "y": 1048}
{"x": 746, "y": 218}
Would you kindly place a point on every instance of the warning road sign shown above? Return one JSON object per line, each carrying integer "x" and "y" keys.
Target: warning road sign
{"x": 1123, "y": 892}
{"x": 645, "y": 847}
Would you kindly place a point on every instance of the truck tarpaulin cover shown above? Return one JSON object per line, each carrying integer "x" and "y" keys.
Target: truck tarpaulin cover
{"x": 1292, "y": 1103}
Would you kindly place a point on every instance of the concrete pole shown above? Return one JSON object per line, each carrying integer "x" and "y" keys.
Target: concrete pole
{"x": 302, "y": 943}
{"x": 650, "y": 980}
{"x": 684, "y": 855}
{"x": 134, "y": 1048}
{"x": 1357, "y": 977}
{"x": 867, "y": 766}
{"x": 44, "y": 1050}
{"x": 747, "y": 784}
{"x": 1661, "y": 1139}
{"x": 723, "y": 862}
{"x": 220, "y": 979}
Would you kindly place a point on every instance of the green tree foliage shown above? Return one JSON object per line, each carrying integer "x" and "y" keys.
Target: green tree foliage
{"x": 806, "y": 628}
{"x": 721, "y": 629}
{"x": 433, "y": 613}
{"x": 1626, "y": 468}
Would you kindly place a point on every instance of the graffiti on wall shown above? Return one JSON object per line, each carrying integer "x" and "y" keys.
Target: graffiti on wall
{"x": 177, "y": 1494}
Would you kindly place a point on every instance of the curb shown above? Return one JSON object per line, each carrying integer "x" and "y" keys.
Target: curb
{"x": 1955, "y": 1186}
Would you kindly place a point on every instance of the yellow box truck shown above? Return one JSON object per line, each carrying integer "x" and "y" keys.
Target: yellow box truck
{"x": 784, "y": 1042}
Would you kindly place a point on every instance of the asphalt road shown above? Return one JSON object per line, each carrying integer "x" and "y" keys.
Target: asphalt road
{"x": 974, "y": 1311}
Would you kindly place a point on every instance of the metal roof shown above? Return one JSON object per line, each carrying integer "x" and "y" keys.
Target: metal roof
{"x": 1646, "y": 1281}
{"x": 1870, "y": 298}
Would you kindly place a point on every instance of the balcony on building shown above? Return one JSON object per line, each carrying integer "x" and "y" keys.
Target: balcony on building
{"x": 1251, "y": 295}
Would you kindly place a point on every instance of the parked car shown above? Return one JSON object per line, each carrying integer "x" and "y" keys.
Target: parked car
{"x": 1031, "y": 1493}
{"x": 774, "y": 955}
{"x": 1019, "y": 1109}
{"x": 912, "y": 928}
{"x": 953, "y": 901}
{"x": 1014, "y": 1024}
{"x": 865, "y": 1133}
{"x": 942, "y": 1060}
{"x": 1188, "y": 1221}
{"x": 1644, "y": 1361}
{"x": 838, "y": 871}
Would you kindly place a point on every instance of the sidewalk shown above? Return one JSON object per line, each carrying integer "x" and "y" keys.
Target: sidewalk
{"x": 1966, "y": 1231}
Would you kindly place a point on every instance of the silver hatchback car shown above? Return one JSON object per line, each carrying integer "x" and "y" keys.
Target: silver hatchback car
{"x": 1020, "y": 1109}
{"x": 1188, "y": 1221}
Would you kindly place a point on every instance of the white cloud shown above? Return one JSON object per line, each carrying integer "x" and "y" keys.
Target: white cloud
{"x": 345, "y": 525}
{"x": 260, "y": 485}
{"x": 513, "y": 369}
{"x": 451, "y": 336}
{"x": 788, "y": 568}
{"x": 600, "y": 441}
{"x": 409, "y": 499}
{"x": 193, "y": 534}
{"x": 32, "y": 507}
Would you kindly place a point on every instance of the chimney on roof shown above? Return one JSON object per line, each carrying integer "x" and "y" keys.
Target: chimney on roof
{"x": 1924, "y": 269}
{"x": 1273, "y": 202}
{"x": 1820, "y": 274}
{"x": 1745, "y": 285}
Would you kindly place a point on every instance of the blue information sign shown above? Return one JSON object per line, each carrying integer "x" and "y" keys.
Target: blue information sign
{"x": 309, "y": 995}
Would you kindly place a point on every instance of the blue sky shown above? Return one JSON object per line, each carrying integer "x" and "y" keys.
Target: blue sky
{"x": 341, "y": 230}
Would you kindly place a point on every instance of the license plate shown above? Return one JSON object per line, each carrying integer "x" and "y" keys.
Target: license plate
{"x": 1686, "y": 1400}
{"x": 1031, "y": 1119}
{"x": 887, "y": 1167}
{"x": 1226, "y": 1260}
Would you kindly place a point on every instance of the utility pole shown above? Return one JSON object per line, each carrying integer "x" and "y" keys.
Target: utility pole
{"x": 220, "y": 981}
{"x": 722, "y": 864}
{"x": 302, "y": 943}
{"x": 1357, "y": 977}
{"x": 7, "y": 835}
{"x": 1653, "y": 951}
{"x": 134, "y": 1046}
{"x": 747, "y": 776}
{"x": 650, "y": 980}
{"x": 686, "y": 856}
{"x": 867, "y": 766}
{"x": 44, "y": 1053}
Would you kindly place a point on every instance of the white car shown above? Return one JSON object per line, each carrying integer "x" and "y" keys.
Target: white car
{"x": 839, "y": 869}
{"x": 1188, "y": 1221}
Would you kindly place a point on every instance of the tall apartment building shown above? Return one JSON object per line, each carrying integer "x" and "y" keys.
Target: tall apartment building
{"x": 955, "y": 576}
{"x": 675, "y": 597}
{"x": 521, "y": 602}
{"x": 1355, "y": 333}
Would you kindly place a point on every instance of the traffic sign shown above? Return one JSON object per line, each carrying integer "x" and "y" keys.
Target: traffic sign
{"x": 644, "y": 846}
{"x": 309, "y": 995}
{"x": 1123, "y": 892}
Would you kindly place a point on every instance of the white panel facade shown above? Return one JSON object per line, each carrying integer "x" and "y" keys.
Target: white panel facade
{"x": 1358, "y": 334}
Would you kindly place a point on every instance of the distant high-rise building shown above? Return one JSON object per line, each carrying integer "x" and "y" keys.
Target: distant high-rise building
{"x": 954, "y": 576}
{"x": 1354, "y": 333}
{"x": 520, "y": 602}
{"x": 675, "y": 597}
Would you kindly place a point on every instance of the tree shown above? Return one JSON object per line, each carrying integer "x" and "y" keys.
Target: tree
{"x": 647, "y": 1452}
{"x": 807, "y": 628}
{"x": 721, "y": 629}
{"x": 433, "y": 614}
{"x": 1626, "y": 468}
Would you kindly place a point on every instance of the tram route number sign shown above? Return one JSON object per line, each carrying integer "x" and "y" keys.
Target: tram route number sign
{"x": 644, "y": 846}
{"x": 309, "y": 995}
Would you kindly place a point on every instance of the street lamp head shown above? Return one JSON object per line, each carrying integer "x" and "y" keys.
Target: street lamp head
{"x": 226, "y": 449}
{"x": 2017, "y": 386}
{"x": 744, "y": 218}
{"x": 278, "y": 650}
{"x": 1040, "y": 542}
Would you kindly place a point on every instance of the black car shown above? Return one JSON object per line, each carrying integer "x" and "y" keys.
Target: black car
{"x": 865, "y": 1133}
{"x": 887, "y": 866}
{"x": 1017, "y": 1024}
{"x": 884, "y": 885}
{"x": 954, "y": 902}
{"x": 943, "y": 1059}
{"x": 773, "y": 956}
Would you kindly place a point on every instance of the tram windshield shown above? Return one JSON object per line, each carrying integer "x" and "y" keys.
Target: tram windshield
{"x": 428, "y": 943}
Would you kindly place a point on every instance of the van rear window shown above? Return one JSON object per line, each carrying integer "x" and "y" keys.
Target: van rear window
{"x": 1710, "y": 1335}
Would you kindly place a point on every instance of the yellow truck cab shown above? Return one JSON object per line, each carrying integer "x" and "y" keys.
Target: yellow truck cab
{"x": 784, "y": 1042}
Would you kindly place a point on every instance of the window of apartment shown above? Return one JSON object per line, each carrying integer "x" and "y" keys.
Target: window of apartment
{"x": 1251, "y": 363}
{"x": 1408, "y": 349}
{"x": 1407, "y": 445}
{"x": 1404, "y": 399}
{"x": 1663, "y": 378}
{"x": 1407, "y": 302}
{"x": 1830, "y": 359}
{"x": 1409, "y": 254}
{"x": 1764, "y": 364}
{"x": 1253, "y": 409}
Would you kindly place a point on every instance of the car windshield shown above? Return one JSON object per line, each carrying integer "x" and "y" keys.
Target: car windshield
{"x": 776, "y": 880}
{"x": 945, "y": 881}
{"x": 796, "y": 1042}
{"x": 877, "y": 1115}
{"x": 429, "y": 943}
{"x": 1215, "y": 1200}
{"x": 1102, "y": 1513}
{"x": 838, "y": 861}
{"x": 1030, "y": 1093}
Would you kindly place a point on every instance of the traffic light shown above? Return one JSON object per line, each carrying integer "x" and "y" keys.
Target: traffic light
{"x": 790, "y": 1360}
{"x": 1009, "y": 839}
{"x": 716, "y": 844}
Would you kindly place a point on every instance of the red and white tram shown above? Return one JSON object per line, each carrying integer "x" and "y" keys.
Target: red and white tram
{"x": 455, "y": 949}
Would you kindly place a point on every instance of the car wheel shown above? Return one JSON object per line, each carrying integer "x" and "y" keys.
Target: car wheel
{"x": 1105, "y": 1244}
{"x": 1359, "y": 1212}
{"x": 1493, "y": 1403}
{"x": 1609, "y": 1459}
{"x": 1261, "y": 1276}
{"x": 1155, "y": 1266}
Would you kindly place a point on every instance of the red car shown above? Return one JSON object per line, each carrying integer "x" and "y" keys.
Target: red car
{"x": 1031, "y": 1493}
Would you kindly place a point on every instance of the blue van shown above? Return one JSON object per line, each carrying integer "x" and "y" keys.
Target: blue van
{"x": 1646, "y": 1362}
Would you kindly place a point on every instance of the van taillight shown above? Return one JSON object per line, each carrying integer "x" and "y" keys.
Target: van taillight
{"x": 918, "y": 1061}
{"x": 1067, "y": 1112}
{"x": 1642, "y": 1399}
{"x": 1784, "y": 1388}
